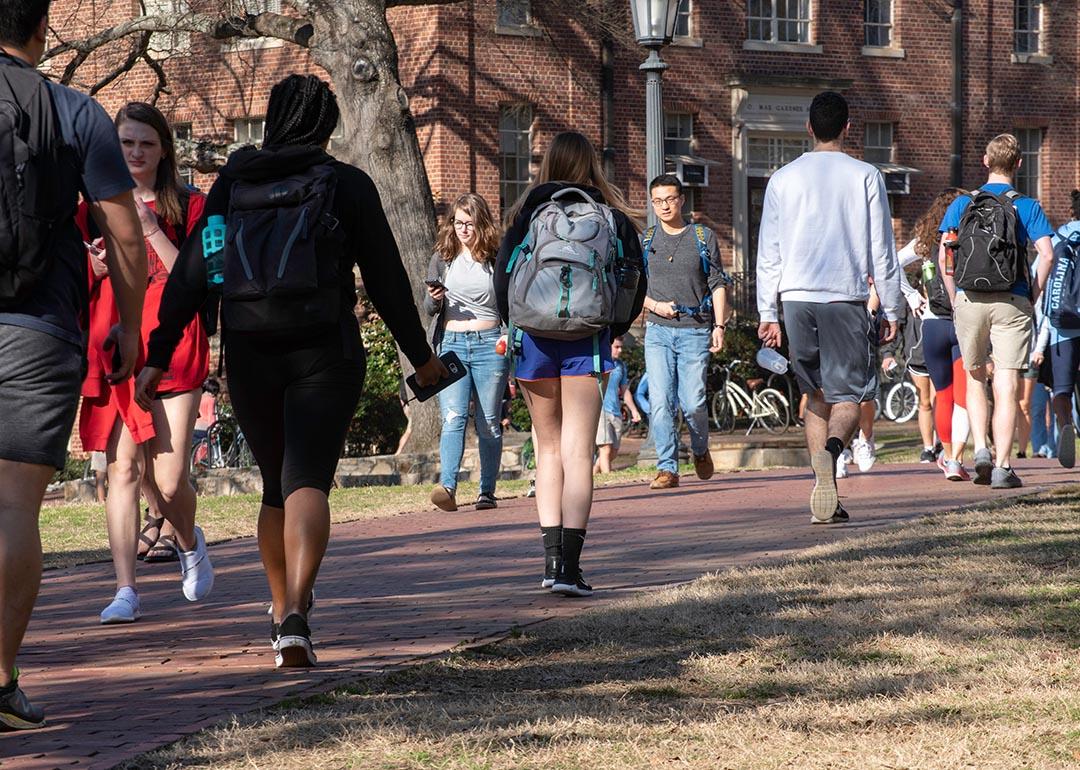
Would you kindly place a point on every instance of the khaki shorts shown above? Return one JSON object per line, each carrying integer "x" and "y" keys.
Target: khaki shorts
{"x": 609, "y": 431}
{"x": 995, "y": 324}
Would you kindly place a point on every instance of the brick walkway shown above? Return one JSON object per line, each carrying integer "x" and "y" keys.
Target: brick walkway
{"x": 397, "y": 589}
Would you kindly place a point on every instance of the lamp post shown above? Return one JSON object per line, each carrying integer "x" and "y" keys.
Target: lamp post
{"x": 654, "y": 27}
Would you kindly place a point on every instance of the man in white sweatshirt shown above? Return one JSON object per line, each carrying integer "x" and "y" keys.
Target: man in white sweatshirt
{"x": 825, "y": 234}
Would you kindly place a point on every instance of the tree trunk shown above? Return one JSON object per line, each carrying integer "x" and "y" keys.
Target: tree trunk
{"x": 355, "y": 45}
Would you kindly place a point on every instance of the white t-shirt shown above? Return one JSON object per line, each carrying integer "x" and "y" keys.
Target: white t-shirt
{"x": 470, "y": 291}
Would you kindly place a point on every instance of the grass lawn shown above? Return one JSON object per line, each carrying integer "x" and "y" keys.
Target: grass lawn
{"x": 74, "y": 533}
{"x": 948, "y": 642}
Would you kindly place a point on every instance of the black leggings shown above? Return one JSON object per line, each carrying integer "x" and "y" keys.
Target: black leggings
{"x": 294, "y": 401}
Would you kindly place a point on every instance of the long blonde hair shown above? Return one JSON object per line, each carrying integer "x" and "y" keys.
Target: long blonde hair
{"x": 571, "y": 158}
{"x": 487, "y": 234}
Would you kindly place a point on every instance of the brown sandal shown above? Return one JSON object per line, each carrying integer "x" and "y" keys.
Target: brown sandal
{"x": 149, "y": 534}
{"x": 164, "y": 550}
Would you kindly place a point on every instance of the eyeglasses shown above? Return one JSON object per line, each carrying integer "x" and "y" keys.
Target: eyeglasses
{"x": 459, "y": 225}
{"x": 663, "y": 203}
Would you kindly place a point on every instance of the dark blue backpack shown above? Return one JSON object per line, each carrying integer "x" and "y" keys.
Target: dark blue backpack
{"x": 1063, "y": 288}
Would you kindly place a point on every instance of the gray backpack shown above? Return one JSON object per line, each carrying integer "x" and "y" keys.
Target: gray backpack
{"x": 567, "y": 277}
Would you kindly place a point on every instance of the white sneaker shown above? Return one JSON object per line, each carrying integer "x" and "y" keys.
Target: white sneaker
{"x": 865, "y": 454}
{"x": 124, "y": 608}
{"x": 841, "y": 467}
{"x": 846, "y": 456}
{"x": 196, "y": 572}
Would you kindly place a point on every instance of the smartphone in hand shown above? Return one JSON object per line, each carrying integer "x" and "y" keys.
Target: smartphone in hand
{"x": 453, "y": 366}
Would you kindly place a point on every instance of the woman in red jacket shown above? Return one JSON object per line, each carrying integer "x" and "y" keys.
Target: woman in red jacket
{"x": 153, "y": 446}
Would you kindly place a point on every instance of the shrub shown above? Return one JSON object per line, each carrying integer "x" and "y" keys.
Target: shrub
{"x": 379, "y": 420}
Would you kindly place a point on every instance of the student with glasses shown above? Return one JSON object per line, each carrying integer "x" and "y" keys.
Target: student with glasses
{"x": 465, "y": 320}
{"x": 687, "y": 309}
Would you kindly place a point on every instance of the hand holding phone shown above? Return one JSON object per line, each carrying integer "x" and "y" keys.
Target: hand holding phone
{"x": 454, "y": 371}
{"x": 436, "y": 289}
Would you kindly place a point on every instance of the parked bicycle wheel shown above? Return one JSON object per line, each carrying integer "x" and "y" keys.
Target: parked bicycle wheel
{"x": 777, "y": 411}
{"x": 902, "y": 402}
{"x": 200, "y": 455}
{"x": 723, "y": 417}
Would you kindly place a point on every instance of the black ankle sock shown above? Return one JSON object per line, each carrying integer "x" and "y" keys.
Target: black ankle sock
{"x": 835, "y": 446}
{"x": 553, "y": 539}
{"x": 573, "y": 540}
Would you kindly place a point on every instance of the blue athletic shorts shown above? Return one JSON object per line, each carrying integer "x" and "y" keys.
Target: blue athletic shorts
{"x": 546, "y": 359}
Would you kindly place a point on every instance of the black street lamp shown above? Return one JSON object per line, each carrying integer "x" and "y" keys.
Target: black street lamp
{"x": 654, "y": 27}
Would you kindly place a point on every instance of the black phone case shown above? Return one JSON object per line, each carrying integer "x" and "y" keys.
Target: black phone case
{"x": 453, "y": 365}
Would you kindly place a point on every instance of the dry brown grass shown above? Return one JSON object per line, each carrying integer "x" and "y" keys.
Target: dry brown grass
{"x": 950, "y": 642}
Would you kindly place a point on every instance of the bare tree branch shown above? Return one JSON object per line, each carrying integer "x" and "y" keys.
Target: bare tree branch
{"x": 392, "y": 3}
{"x": 273, "y": 25}
{"x": 162, "y": 85}
{"x": 138, "y": 50}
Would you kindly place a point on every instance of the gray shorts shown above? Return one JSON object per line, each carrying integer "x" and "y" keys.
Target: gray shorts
{"x": 609, "y": 431}
{"x": 40, "y": 378}
{"x": 833, "y": 347}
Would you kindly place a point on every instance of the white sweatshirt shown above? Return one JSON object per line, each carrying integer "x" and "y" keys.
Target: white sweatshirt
{"x": 826, "y": 229}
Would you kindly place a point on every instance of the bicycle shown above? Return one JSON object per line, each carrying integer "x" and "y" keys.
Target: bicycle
{"x": 765, "y": 406}
{"x": 223, "y": 446}
{"x": 899, "y": 402}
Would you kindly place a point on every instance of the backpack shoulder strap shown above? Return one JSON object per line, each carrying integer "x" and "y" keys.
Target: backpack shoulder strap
{"x": 703, "y": 249}
{"x": 646, "y": 242}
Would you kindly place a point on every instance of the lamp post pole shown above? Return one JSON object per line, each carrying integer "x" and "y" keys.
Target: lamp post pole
{"x": 654, "y": 67}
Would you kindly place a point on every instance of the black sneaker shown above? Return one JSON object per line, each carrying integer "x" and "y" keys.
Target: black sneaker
{"x": 486, "y": 501}
{"x": 551, "y": 571}
{"x": 927, "y": 456}
{"x": 294, "y": 643}
{"x": 17, "y": 712}
{"x": 840, "y": 516}
{"x": 571, "y": 587}
{"x": 275, "y": 633}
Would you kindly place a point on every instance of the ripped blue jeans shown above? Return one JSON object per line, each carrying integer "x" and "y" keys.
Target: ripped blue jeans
{"x": 484, "y": 385}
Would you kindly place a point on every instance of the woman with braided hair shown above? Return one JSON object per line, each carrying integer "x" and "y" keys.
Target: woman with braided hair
{"x": 295, "y": 388}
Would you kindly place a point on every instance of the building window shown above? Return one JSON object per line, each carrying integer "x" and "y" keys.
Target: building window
{"x": 249, "y": 130}
{"x": 779, "y": 21}
{"x": 766, "y": 154}
{"x": 515, "y": 152}
{"x": 168, "y": 43}
{"x": 1027, "y": 26}
{"x": 683, "y": 27}
{"x": 878, "y": 143}
{"x": 878, "y": 24}
{"x": 678, "y": 133}
{"x": 1027, "y": 176}
{"x": 182, "y": 133}
{"x": 514, "y": 13}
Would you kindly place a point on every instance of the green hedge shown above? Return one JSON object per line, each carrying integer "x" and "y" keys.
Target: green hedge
{"x": 379, "y": 420}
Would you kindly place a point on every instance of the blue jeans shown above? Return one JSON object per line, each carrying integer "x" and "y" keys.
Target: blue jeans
{"x": 484, "y": 384}
{"x": 676, "y": 360}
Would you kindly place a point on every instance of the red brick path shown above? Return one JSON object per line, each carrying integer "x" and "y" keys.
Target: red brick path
{"x": 395, "y": 589}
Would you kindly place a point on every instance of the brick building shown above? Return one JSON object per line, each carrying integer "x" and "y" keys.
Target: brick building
{"x": 490, "y": 81}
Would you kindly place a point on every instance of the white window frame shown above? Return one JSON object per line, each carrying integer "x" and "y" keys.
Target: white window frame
{"x": 684, "y": 20}
{"x": 174, "y": 42}
{"x": 879, "y": 142}
{"x": 678, "y": 128}
{"x": 242, "y": 130}
{"x": 1036, "y": 19}
{"x": 254, "y": 7}
{"x": 1030, "y": 172}
{"x": 778, "y": 25}
{"x": 505, "y": 26}
{"x": 780, "y": 149}
{"x": 883, "y": 23}
{"x": 523, "y": 115}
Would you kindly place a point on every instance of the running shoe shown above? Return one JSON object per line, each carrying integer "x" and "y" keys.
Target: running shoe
{"x": 124, "y": 608}
{"x": 551, "y": 571}
{"x": 275, "y": 633}
{"x": 840, "y": 516}
{"x": 486, "y": 501}
{"x": 16, "y": 710}
{"x": 196, "y": 571}
{"x": 954, "y": 471}
{"x": 1004, "y": 478}
{"x": 294, "y": 643}
{"x": 571, "y": 586}
{"x": 865, "y": 454}
{"x": 1066, "y": 448}
{"x": 847, "y": 457}
{"x": 927, "y": 456}
{"x": 823, "y": 500}
{"x": 984, "y": 465}
{"x": 841, "y": 467}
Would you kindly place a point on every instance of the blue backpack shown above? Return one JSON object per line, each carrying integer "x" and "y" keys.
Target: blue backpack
{"x": 1063, "y": 288}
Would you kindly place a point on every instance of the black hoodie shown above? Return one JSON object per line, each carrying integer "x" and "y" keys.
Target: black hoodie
{"x": 369, "y": 244}
{"x": 517, "y": 230}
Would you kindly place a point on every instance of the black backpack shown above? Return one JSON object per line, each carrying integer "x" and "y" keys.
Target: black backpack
{"x": 937, "y": 298}
{"x": 38, "y": 189}
{"x": 1063, "y": 287}
{"x": 989, "y": 254}
{"x": 283, "y": 254}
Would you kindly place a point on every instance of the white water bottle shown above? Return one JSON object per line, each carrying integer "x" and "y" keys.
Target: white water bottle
{"x": 767, "y": 358}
